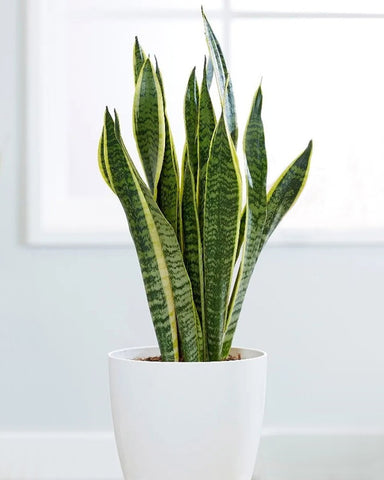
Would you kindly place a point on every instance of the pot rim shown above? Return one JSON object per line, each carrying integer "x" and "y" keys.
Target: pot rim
{"x": 117, "y": 355}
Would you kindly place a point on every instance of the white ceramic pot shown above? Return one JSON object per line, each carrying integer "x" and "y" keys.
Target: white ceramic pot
{"x": 187, "y": 421}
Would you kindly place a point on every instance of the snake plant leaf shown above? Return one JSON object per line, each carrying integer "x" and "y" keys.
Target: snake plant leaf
{"x": 180, "y": 232}
{"x": 149, "y": 124}
{"x": 125, "y": 182}
{"x": 139, "y": 58}
{"x": 101, "y": 160}
{"x": 167, "y": 285}
{"x": 241, "y": 232}
{"x": 222, "y": 212}
{"x": 206, "y": 127}
{"x": 286, "y": 190}
{"x": 200, "y": 339}
{"x": 191, "y": 112}
{"x": 192, "y": 247}
{"x": 209, "y": 72}
{"x": 255, "y": 216}
{"x": 160, "y": 79}
{"x": 168, "y": 185}
{"x": 206, "y": 120}
{"x": 222, "y": 79}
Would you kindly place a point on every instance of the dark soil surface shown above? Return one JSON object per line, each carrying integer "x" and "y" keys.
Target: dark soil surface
{"x": 158, "y": 358}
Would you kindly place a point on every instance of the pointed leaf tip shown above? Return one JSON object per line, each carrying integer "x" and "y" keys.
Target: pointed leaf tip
{"x": 108, "y": 114}
{"x": 149, "y": 124}
{"x": 259, "y": 100}
{"x": 223, "y": 79}
{"x": 305, "y": 158}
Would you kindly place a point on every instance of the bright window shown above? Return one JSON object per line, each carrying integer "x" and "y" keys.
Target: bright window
{"x": 322, "y": 73}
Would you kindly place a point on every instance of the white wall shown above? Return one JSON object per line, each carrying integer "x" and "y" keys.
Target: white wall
{"x": 317, "y": 311}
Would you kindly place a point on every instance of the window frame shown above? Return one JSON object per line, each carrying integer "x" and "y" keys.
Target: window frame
{"x": 37, "y": 234}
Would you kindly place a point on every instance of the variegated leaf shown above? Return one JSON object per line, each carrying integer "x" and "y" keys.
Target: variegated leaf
{"x": 192, "y": 247}
{"x": 222, "y": 212}
{"x": 206, "y": 127}
{"x": 168, "y": 288}
{"x": 255, "y": 214}
{"x": 139, "y": 58}
{"x": 149, "y": 124}
{"x": 180, "y": 231}
{"x": 241, "y": 231}
{"x": 278, "y": 201}
{"x": 286, "y": 190}
{"x": 191, "y": 112}
{"x": 223, "y": 80}
{"x": 209, "y": 72}
{"x": 101, "y": 160}
{"x": 168, "y": 185}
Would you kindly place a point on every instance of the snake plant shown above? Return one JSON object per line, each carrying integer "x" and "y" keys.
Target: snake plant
{"x": 196, "y": 241}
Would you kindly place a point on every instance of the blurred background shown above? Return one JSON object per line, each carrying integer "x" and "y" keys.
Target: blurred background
{"x": 70, "y": 285}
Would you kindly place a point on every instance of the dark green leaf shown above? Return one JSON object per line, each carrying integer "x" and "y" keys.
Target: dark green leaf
{"x": 139, "y": 58}
{"x": 206, "y": 127}
{"x": 286, "y": 190}
{"x": 191, "y": 112}
{"x": 149, "y": 125}
{"x": 168, "y": 186}
{"x": 256, "y": 175}
{"x": 241, "y": 232}
{"x": 192, "y": 247}
{"x": 168, "y": 288}
{"x": 222, "y": 212}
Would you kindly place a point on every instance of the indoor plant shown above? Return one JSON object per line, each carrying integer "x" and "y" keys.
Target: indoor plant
{"x": 189, "y": 234}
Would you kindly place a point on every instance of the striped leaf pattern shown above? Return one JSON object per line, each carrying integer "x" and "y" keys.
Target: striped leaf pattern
{"x": 255, "y": 214}
{"x": 286, "y": 190}
{"x": 223, "y": 80}
{"x": 206, "y": 127}
{"x": 101, "y": 160}
{"x": 167, "y": 284}
{"x": 263, "y": 212}
{"x": 149, "y": 125}
{"x": 241, "y": 232}
{"x": 206, "y": 121}
{"x": 191, "y": 112}
{"x": 168, "y": 185}
{"x": 189, "y": 233}
{"x": 192, "y": 248}
{"x": 222, "y": 212}
{"x": 139, "y": 58}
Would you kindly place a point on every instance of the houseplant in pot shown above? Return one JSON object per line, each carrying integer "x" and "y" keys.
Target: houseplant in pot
{"x": 182, "y": 411}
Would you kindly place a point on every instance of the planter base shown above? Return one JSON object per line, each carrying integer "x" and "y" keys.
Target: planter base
{"x": 187, "y": 421}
